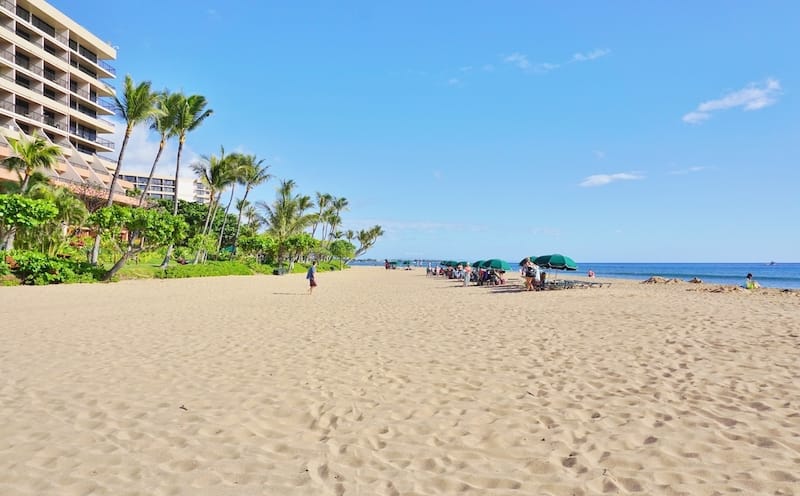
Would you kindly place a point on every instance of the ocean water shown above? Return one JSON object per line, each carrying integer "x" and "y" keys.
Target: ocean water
{"x": 779, "y": 275}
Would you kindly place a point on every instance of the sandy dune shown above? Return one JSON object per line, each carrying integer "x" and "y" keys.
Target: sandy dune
{"x": 391, "y": 383}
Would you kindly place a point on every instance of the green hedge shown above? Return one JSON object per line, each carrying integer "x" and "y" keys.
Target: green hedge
{"x": 206, "y": 270}
{"x": 36, "y": 268}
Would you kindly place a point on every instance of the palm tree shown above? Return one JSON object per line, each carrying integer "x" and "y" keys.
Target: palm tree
{"x": 235, "y": 171}
{"x": 190, "y": 113}
{"x": 211, "y": 171}
{"x": 29, "y": 155}
{"x": 215, "y": 173}
{"x": 137, "y": 104}
{"x": 338, "y": 205}
{"x": 286, "y": 216}
{"x": 323, "y": 200}
{"x": 252, "y": 174}
{"x": 167, "y": 103}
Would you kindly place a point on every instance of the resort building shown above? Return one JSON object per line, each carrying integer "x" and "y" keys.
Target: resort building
{"x": 161, "y": 187}
{"x": 200, "y": 192}
{"x": 53, "y": 76}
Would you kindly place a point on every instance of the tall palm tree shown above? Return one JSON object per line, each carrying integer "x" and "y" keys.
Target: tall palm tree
{"x": 190, "y": 113}
{"x": 30, "y": 154}
{"x": 138, "y": 104}
{"x": 323, "y": 200}
{"x": 167, "y": 103}
{"x": 338, "y": 205}
{"x": 212, "y": 170}
{"x": 287, "y": 215}
{"x": 252, "y": 174}
{"x": 235, "y": 173}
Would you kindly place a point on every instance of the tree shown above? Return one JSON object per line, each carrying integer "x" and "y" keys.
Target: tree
{"x": 323, "y": 200}
{"x": 30, "y": 154}
{"x": 153, "y": 226}
{"x": 138, "y": 103}
{"x": 216, "y": 173}
{"x": 338, "y": 205}
{"x": 367, "y": 239}
{"x": 286, "y": 216}
{"x": 252, "y": 174}
{"x": 19, "y": 212}
{"x": 161, "y": 122}
{"x": 52, "y": 236}
{"x": 190, "y": 113}
{"x": 342, "y": 249}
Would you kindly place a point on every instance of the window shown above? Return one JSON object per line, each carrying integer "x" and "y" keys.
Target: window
{"x": 44, "y": 26}
{"x": 23, "y": 81}
{"x": 23, "y": 34}
{"x": 49, "y": 93}
{"x": 23, "y": 13}
{"x": 23, "y": 61}
{"x": 73, "y": 44}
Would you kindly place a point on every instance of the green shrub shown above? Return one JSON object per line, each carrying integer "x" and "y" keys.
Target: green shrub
{"x": 39, "y": 269}
{"x": 4, "y": 269}
{"x": 207, "y": 269}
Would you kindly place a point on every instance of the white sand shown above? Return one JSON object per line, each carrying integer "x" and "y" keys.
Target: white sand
{"x": 391, "y": 383}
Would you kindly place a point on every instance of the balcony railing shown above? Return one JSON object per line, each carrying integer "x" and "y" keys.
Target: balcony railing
{"x": 91, "y": 137}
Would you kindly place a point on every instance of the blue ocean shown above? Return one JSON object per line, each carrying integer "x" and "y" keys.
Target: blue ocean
{"x": 768, "y": 275}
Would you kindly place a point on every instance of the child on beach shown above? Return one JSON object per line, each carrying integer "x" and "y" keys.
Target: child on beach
{"x": 750, "y": 283}
{"x": 311, "y": 275}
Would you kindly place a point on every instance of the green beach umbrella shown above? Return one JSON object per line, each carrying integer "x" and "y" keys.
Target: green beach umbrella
{"x": 496, "y": 263}
{"x": 556, "y": 261}
{"x": 477, "y": 264}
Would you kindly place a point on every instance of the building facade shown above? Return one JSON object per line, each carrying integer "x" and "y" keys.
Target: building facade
{"x": 160, "y": 187}
{"x": 53, "y": 75}
{"x": 200, "y": 192}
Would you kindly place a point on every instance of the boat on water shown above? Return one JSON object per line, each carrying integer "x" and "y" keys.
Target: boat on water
{"x": 772, "y": 262}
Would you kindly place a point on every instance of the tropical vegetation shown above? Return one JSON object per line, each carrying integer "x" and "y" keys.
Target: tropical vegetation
{"x": 52, "y": 234}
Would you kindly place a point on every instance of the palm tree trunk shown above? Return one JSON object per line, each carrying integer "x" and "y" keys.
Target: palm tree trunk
{"x": 152, "y": 173}
{"x": 8, "y": 243}
{"x": 117, "y": 170}
{"x": 225, "y": 219}
{"x": 95, "y": 249}
{"x": 175, "y": 205}
{"x": 239, "y": 219}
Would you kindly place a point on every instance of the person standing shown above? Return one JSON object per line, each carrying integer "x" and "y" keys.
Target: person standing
{"x": 311, "y": 275}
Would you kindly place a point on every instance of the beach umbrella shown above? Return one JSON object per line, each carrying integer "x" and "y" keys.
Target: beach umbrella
{"x": 496, "y": 263}
{"x": 477, "y": 263}
{"x": 556, "y": 261}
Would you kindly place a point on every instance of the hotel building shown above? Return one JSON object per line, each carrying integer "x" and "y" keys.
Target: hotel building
{"x": 53, "y": 76}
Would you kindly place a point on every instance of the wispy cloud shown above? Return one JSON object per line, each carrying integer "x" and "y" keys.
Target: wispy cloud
{"x": 518, "y": 60}
{"x": 453, "y": 81}
{"x": 599, "y": 154}
{"x": 521, "y": 60}
{"x": 545, "y": 67}
{"x": 593, "y": 55}
{"x": 752, "y": 97}
{"x": 689, "y": 170}
{"x": 603, "y": 179}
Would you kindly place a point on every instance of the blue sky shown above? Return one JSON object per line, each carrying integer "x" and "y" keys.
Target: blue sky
{"x": 608, "y": 131}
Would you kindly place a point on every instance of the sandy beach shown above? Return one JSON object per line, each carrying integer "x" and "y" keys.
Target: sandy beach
{"x": 392, "y": 383}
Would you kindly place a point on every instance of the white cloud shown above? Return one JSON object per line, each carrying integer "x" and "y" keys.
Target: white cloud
{"x": 603, "y": 179}
{"x": 594, "y": 54}
{"x": 466, "y": 68}
{"x": 519, "y": 60}
{"x": 599, "y": 154}
{"x": 751, "y": 97}
{"x": 545, "y": 67}
{"x": 453, "y": 81}
{"x": 688, "y": 170}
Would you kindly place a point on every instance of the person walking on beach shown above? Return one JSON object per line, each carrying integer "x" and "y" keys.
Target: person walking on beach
{"x": 311, "y": 275}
